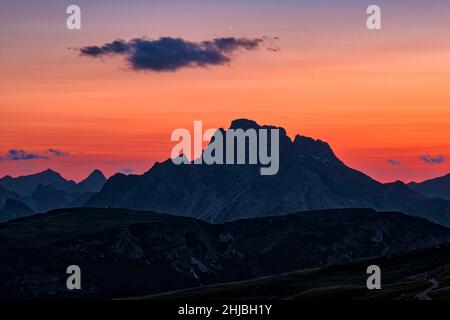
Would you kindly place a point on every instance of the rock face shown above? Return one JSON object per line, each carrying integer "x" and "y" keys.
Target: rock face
{"x": 310, "y": 177}
{"x": 126, "y": 253}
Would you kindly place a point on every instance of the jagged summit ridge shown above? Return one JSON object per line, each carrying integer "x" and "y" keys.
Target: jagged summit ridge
{"x": 310, "y": 177}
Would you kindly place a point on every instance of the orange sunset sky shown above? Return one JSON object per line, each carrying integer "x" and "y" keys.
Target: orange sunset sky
{"x": 374, "y": 96}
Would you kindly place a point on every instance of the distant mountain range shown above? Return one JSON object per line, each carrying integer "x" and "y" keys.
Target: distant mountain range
{"x": 13, "y": 209}
{"x": 127, "y": 253}
{"x": 434, "y": 188}
{"x": 220, "y": 224}
{"x": 6, "y": 194}
{"x": 310, "y": 177}
{"x": 45, "y": 191}
{"x": 26, "y": 185}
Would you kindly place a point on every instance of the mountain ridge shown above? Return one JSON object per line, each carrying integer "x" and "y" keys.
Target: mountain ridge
{"x": 26, "y": 185}
{"x": 47, "y": 190}
{"x": 433, "y": 188}
{"x": 92, "y": 183}
{"x": 310, "y": 177}
{"x": 14, "y": 209}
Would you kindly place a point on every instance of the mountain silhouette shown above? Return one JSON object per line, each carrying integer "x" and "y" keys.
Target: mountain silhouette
{"x": 433, "y": 188}
{"x": 310, "y": 177}
{"x": 46, "y": 191}
{"x": 26, "y": 185}
{"x": 93, "y": 183}
{"x": 14, "y": 209}
{"x": 6, "y": 194}
{"x": 48, "y": 197}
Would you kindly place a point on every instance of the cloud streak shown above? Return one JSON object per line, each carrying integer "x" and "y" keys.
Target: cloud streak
{"x": 394, "y": 163}
{"x": 171, "y": 54}
{"x": 20, "y": 155}
{"x": 432, "y": 160}
{"x": 57, "y": 152}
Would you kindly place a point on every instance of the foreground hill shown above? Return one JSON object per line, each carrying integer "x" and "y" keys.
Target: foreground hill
{"x": 310, "y": 177}
{"x": 421, "y": 274}
{"x": 126, "y": 253}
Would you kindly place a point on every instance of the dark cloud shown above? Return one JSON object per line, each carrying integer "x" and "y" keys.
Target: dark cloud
{"x": 232, "y": 44}
{"x": 394, "y": 163}
{"x": 57, "y": 152}
{"x": 432, "y": 160}
{"x": 17, "y": 155}
{"x": 273, "y": 49}
{"x": 126, "y": 170}
{"x": 170, "y": 54}
{"x": 20, "y": 154}
{"x": 115, "y": 47}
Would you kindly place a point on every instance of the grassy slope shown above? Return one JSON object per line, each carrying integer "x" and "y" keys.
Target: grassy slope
{"x": 403, "y": 277}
